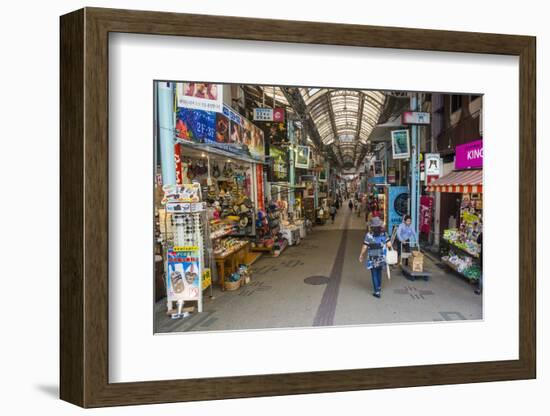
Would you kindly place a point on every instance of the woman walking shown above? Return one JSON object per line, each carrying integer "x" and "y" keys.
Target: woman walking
{"x": 375, "y": 244}
{"x": 350, "y": 205}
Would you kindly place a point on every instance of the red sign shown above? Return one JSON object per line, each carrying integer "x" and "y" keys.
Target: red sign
{"x": 431, "y": 178}
{"x": 279, "y": 115}
{"x": 179, "y": 173}
{"x": 426, "y": 208}
{"x": 260, "y": 187}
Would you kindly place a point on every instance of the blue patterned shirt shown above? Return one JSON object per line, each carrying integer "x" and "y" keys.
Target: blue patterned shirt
{"x": 376, "y": 254}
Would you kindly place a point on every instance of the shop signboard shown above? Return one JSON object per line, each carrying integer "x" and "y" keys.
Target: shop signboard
{"x": 426, "y": 209}
{"x": 279, "y": 164}
{"x": 278, "y": 115}
{"x": 469, "y": 155}
{"x": 398, "y": 205}
{"x": 432, "y": 163}
{"x": 269, "y": 114}
{"x": 400, "y": 144}
{"x": 183, "y": 274}
{"x": 177, "y": 157}
{"x": 302, "y": 157}
{"x": 196, "y": 125}
{"x": 263, "y": 114}
{"x": 415, "y": 117}
{"x": 200, "y": 96}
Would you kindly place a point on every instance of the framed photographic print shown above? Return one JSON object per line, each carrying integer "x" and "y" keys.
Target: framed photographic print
{"x": 302, "y": 157}
{"x": 400, "y": 144}
{"x": 199, "y": 261}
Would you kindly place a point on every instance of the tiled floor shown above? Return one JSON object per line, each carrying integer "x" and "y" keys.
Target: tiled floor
{"x": 280, "y": 294}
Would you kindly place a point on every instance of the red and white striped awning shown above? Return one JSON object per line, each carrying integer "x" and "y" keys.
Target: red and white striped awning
{"x": 464, "y": 182}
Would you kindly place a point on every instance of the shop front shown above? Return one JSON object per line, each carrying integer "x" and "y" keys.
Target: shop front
{"x": 462, "y": 242}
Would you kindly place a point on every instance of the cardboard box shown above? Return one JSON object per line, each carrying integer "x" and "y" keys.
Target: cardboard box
{"x": 417, "y": 261}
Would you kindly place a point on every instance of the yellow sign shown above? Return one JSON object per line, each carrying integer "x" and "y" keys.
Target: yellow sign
{"x": 206, "y": 279}
{"x": 186, "y": 248}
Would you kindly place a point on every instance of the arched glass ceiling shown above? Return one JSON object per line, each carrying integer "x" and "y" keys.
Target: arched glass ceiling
{"x": 344, "y": 118}
{"x": 341, "y": 113}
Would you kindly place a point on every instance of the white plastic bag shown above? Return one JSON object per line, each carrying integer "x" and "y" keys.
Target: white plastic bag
{"x": 391, "y": 257}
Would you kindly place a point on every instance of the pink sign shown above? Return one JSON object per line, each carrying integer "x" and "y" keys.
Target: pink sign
{"x": 469, "y": 155}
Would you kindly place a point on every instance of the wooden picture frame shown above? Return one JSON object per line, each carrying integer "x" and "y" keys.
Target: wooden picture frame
{"x": 84, "y": 207}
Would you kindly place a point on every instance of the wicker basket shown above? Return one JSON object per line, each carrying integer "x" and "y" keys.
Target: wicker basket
{"x": 232, "y": 285}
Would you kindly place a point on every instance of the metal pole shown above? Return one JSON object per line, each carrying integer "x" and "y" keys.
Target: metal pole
{"x": 417, "y": 224}
{"x": 166, "y": 133}
{"x": 292, "y": 171}
{"x": 413, "y": 206}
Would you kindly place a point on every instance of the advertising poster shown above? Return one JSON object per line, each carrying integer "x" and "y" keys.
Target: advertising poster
{"x": 302, "y": 157}
{"x": 426, "y": 209}
{"x": 400, "y": 144}
{"x": 257, "y": 147}
{"x": 274, "y": 133}
{"x": 247, "y": 133}
{"x": 196, "y": 125}
{"x": 182, "y": 278}
{"x": 200, "y": 96}
{"x": 222, "y": 128}
{"x": 279, "y": 164}
{"x": 236, "y": 133}
{"x": 398, "y": 205}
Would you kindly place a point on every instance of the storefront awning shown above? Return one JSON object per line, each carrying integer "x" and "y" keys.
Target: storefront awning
{"x": 464, "y": 182}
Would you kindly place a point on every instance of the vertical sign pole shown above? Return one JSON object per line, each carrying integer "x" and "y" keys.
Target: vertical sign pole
{"x": 413, "y": 203}
{"x": 166, "y": 133}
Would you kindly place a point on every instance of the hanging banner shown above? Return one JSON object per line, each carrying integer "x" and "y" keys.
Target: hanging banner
{"x": 200, "y": 96}
{"x": 302, "y": 157}
{"x": 260, "y": 187}
{"x": 196, "y": 125}
{"x": 400, "y": 144}
{"x": 183, "y": 275}
{"x": 469, "y": 155}
{"x": 426, "y": 209}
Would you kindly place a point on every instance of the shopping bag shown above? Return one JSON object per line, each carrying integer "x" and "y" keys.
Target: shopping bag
{"x": 391, "y": 257}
